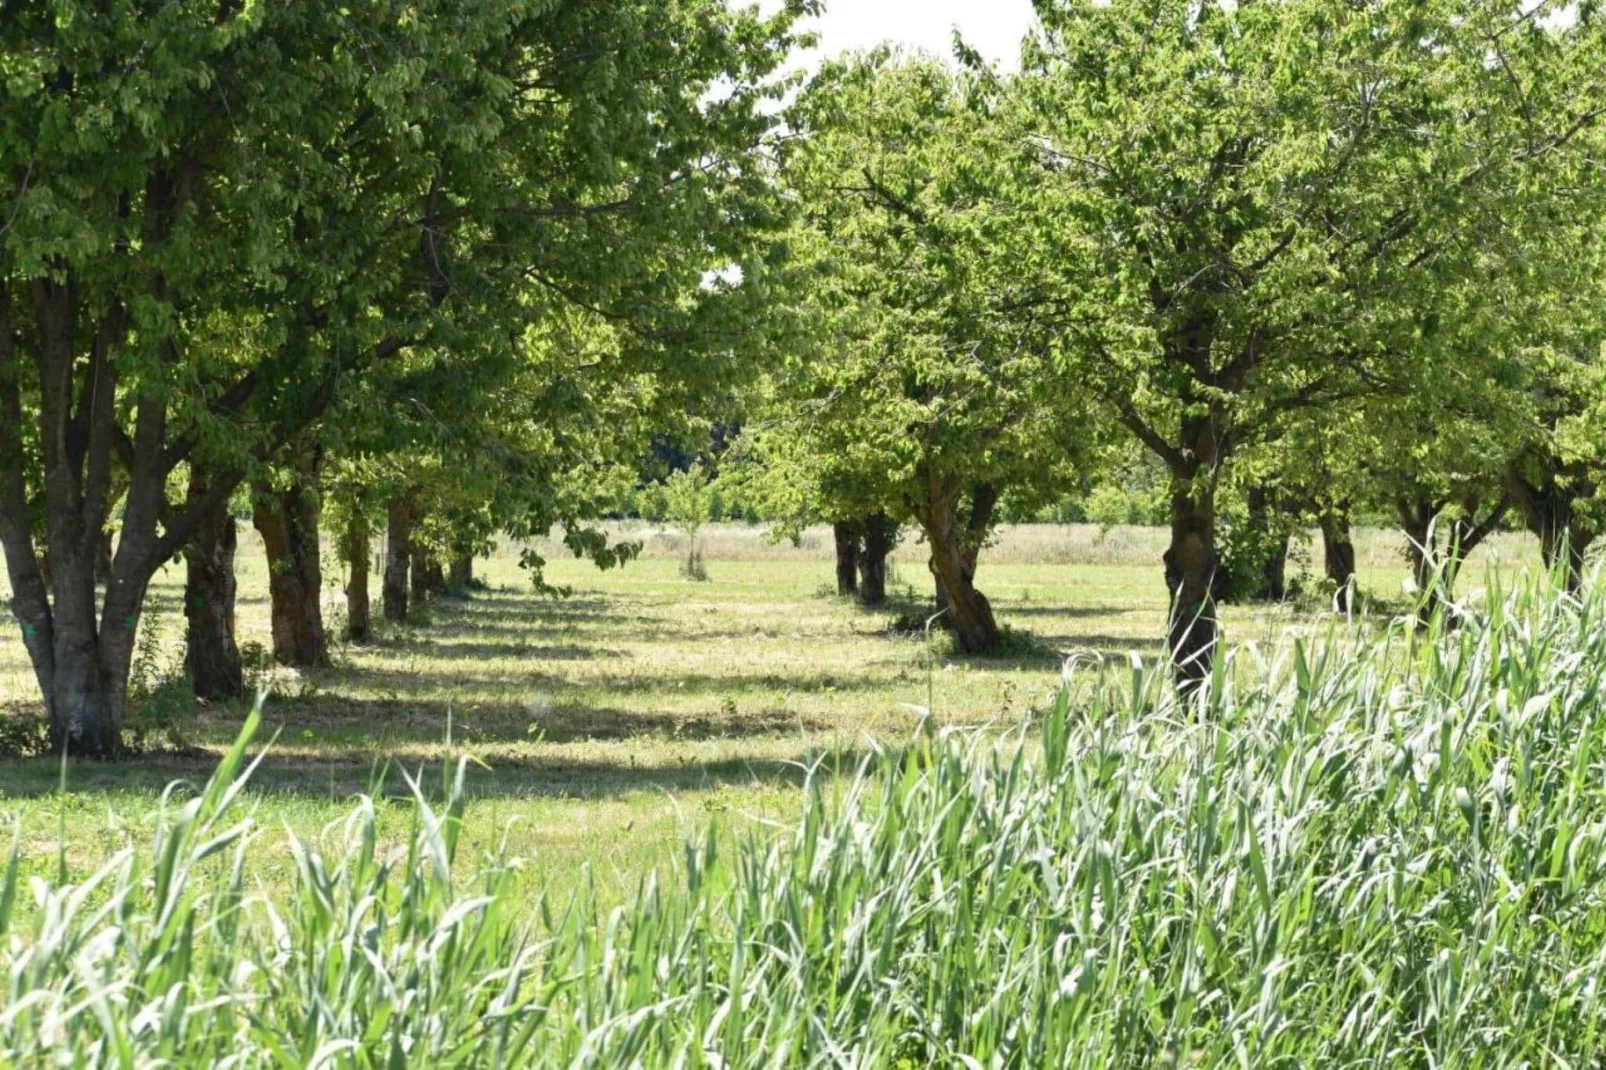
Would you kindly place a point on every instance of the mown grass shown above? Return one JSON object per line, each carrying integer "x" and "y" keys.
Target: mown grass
{"x": 607, "y": 725}
{"x": 1373, "y": 845}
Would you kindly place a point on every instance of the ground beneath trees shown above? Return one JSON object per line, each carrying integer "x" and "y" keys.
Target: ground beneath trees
{"x": 605, "y": 726}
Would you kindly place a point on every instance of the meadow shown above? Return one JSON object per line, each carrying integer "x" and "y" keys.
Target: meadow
{"x": 1376, "y": 843}
{"x": 607, "y": 725}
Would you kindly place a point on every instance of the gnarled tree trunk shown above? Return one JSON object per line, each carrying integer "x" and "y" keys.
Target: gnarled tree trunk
{"x": 210, "y": 650}
{"x": 955, "y": 544}
{"x": 399, "y": 516}
{"x": 288, "y": 524}
{"x": 879, "y": 534}
{"x": 1338, "y": 556}
{"x": 848, "y": 539}
{"x": 354, "y": 549}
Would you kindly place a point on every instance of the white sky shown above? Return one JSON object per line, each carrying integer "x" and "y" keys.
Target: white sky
{"x": 992, "y": 27}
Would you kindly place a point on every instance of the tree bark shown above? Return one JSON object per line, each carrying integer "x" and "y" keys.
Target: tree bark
{"x": 399, "y": 515}
{"x": 1192, "y": 564}
{"x": 954, "y": 548}
{"x": 879, "y": 534}
{"x": 354, "y": 548}
{"x": 80, "y": 664}
{"x": 848, "y": 547}
{"x": 1190, "y": 575}
{"x": 288, "y": 523}
{"x": 1338, "y": 557}
{"x": 1416, "y": 520}
{"x": 211, "y": 652}
{"x": 460, "y": 578}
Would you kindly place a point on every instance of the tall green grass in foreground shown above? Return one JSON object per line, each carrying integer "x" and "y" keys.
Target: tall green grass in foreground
{"x": 1379, "y": 848}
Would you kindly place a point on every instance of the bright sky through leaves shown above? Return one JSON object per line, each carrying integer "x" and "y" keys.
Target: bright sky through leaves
{"x": 992, "y": 27}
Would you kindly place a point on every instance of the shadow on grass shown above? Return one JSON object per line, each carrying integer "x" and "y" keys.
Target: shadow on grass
{"x": 336, "y": 777}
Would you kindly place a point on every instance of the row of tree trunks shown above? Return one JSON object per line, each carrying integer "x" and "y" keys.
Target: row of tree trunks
{"x": 955, "y": 543}
{"x": 862, "y": 546}
{"x": 428, "y": 578}
{"x": 288, "y": 521}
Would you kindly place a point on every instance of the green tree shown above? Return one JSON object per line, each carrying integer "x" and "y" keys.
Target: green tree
{"x": 322, "y": 188}
{"x": 1237, "y": 208}
{"x": 930, "y": 384}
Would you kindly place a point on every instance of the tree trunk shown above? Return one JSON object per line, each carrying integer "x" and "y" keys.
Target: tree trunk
{"x": 1416, "y": 520}
{"x": 1270, "y": 567}
{"x": 879, "y": 535}
{"x": 288, "y": 523}
{"x": 103, "y": 560}
{"x": 460, "y": 578}
{"x": 398, "y": 555}
{"x": 1468, "y": 533}
{"x": 954, "y": 548}
{"x": 1548, "y": 512}
{"x": 80, "y": 664}
{"x": 427, "y": 578}
{"x": 1190, "y": 577}
{"x": 1578, "y": 540}
{"x": 848, "y": 540}
{"x": 355, "y": 551}
{"x": 211, "y": 652}
{"x": 435, "y": 577}
{"x": 1338, "y": 557}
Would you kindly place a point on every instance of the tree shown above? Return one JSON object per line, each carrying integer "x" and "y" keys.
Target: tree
{"x": 1235, "y": 208}
{"x": 266, "y": 202}
{"x": 931, "y": 390}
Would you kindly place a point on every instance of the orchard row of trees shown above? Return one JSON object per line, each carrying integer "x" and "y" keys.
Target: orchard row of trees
{"x": 451, "y": 269}
{"x": 1314, "y": 256}
{"x": 441, "y": 263}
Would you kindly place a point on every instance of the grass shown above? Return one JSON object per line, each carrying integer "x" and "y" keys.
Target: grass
{"x": 608, "y": 725}
{"x": 1371, "y": 845}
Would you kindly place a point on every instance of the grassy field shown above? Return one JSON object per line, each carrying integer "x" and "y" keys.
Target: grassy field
{"x": 1379, "y": 847}
{"x": 606, "y": 725}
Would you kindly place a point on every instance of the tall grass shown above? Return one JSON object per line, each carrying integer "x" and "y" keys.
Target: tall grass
{"x": 1379, "y": 849}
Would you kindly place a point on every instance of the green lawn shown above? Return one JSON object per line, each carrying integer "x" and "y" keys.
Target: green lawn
{"x": 613, "y": 721}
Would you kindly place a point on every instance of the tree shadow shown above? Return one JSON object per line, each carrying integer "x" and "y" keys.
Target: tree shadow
{"x": 338, "y": 776}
